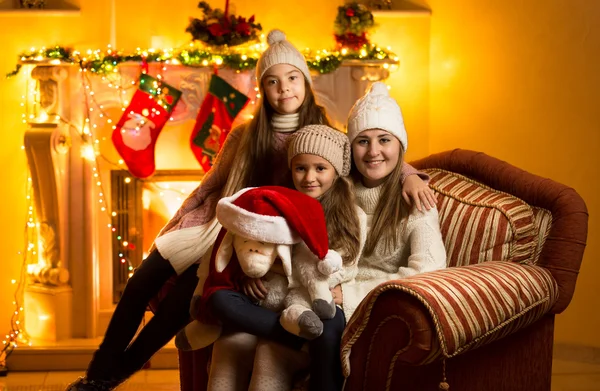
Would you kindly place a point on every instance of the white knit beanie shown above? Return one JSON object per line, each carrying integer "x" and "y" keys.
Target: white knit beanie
{"x": 377, "y": 110}
{"x": 281, "y": 51}
{"x": 321, "y": 140}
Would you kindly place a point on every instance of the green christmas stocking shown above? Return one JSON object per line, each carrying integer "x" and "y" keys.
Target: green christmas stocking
{"x": 213, "y": 123}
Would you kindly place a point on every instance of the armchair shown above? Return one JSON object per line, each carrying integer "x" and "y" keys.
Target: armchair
{"x": 515, "y": 243}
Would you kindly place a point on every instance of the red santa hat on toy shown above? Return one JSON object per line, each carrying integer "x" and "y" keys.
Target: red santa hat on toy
{"x": 283, "y": 216}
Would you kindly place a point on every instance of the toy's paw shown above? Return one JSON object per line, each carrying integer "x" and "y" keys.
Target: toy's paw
{"x": 331, "y": 263}
{"x": 310, "y": 325}
{"x": 323, "y": 309}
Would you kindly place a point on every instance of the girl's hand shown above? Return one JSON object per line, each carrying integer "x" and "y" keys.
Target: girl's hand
{"x": 254, "y": 288}
{"x": 419, "y": 191}
{"x": 338, "y": 296}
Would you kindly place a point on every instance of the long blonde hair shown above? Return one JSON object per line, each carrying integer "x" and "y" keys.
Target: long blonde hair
{"x": 257, "y": 142}
{"x": 343, "y": 227}
{"x": 391, "y": 210}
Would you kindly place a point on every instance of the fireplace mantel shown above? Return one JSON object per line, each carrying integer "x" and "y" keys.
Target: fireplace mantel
{"x": 70, "y": 286}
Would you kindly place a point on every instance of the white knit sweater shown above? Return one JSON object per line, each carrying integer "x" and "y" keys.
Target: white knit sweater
{"x": 420, "y": 249}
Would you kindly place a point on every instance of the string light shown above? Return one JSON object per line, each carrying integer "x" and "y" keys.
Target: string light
{"x": 94, "y": 112}
{"x": 239, "y": 57}
{"x": 17, "y": 335}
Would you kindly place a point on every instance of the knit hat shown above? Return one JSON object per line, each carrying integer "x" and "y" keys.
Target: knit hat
{"x": 377, "y": 110}
{"x": 281, "y": 51}
{"x": 279, "y": 215}
{"x": 321, "y": 140}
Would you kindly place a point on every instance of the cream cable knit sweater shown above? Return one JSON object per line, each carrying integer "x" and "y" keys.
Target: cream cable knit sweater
{"x": 421, "y": 249}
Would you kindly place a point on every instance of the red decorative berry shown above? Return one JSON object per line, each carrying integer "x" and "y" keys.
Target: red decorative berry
{"x": 349, "y": 12}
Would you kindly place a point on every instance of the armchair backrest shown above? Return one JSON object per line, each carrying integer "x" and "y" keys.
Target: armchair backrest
{"x": 535, "y": 219}
{"x": 480, "y": 224}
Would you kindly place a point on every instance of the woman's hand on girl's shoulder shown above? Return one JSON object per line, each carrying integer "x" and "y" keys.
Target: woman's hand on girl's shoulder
{"x": 416, "y": 189}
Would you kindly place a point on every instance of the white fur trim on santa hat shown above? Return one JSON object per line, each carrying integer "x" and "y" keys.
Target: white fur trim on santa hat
{"x": 331, "y": 263}
{"x": 270, "y": 229}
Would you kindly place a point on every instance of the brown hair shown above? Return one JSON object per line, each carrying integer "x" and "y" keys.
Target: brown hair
{"x": 257, "y": 141}
{"x": 343, "y": 227}
{"x": 390, "y": 211}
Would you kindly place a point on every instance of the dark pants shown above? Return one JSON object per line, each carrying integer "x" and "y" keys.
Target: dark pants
{"x": 118, "y": 357}
{"x": 237, "y": 312}
{"x": 325, "y": 358}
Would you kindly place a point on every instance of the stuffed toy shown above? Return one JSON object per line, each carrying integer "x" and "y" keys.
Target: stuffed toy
{"x": 261, "y": 226}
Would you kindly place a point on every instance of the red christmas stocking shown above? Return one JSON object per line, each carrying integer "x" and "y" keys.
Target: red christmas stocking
{"x": 137, "y": 131}
{"x": 213, "y": 123}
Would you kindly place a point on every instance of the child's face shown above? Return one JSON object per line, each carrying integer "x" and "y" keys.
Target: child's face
{"x": 312, "y": 174}
{"x": 284, "y": 88}
{"x": 376, "y": 153}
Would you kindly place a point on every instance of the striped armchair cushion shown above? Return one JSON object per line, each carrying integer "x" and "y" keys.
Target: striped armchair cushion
{"x": 481, "y": 224}
{"x": 470, "y": 306}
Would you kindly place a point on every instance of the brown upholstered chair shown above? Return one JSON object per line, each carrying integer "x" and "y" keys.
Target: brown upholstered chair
{"x": 515, "y": 242}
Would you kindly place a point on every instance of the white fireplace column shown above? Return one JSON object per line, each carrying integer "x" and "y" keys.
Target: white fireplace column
{"x": 60, "y": 299}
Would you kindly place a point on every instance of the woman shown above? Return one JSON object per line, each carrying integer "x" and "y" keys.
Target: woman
{"x": 401, "y": 241}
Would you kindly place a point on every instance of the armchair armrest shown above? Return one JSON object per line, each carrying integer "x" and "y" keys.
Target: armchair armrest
{"x": 447, "y": 312}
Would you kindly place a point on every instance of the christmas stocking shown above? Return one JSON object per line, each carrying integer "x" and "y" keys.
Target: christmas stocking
{"x": 213, "y": 123}
{"x": 137, "y": 131}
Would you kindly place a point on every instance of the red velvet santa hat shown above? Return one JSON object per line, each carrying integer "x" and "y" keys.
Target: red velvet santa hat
{"x": 279, "y": 215}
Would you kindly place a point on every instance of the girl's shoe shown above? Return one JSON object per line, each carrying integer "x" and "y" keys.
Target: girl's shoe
{"x": 84, "y": 384}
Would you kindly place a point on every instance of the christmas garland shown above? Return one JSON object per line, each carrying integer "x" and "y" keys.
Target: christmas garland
{"x": 219, "y": 28}
{"x": 351, "y": 25}
{"x": 238, "y": 58}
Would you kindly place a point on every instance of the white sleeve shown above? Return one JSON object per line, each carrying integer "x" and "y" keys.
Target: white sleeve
{"x": 427, "y": 251}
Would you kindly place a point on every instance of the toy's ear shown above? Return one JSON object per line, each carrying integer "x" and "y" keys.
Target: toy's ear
{"x": 285, "y": 254}
{"x": 224, "y": 252}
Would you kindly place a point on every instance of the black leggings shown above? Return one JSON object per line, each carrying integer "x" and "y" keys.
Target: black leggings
{"x": 325, "y": 358}
{"x": 237, "y": 312}
{"x": 118, "y": 357}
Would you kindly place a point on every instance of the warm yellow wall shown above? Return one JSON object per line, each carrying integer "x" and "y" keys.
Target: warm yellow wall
{"x": 167, "y": 21}
{"x": 408, "y": 37}
{"x": 520, "y": 81}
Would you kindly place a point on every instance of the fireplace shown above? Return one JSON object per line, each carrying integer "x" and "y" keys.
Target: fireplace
{"x": 141, "y": 208}
{"x": 97, "y": 219}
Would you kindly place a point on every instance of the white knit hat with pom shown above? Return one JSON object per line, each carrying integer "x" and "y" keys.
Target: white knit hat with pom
{"x": 281, "y": 51}
{"x": 377, "y": 110}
